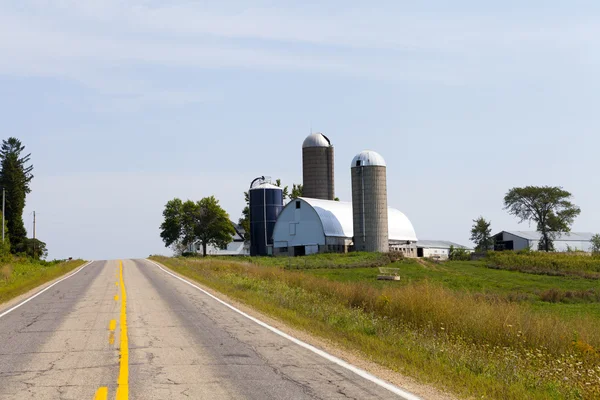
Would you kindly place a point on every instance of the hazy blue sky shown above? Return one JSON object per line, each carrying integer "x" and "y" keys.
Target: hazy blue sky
{"x": 125, "y": 104}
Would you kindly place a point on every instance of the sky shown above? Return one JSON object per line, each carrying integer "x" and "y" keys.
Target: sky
{"x": 126, "y": 104}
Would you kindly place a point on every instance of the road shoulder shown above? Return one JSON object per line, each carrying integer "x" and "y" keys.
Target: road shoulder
{"x": 407, "y": 383}
{"x": 16, "y": 300}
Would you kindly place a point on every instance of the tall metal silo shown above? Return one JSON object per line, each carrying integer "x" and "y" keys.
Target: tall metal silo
{"x": 369, "y": 202}
{"x": 266, "y": 202}
{"x": 317, "y": 167}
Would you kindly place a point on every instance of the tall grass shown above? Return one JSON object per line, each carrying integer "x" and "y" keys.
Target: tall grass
{"x": 486, "y": 347}
{"x": 21, "y": 275}
{"x": 547, "y": 263}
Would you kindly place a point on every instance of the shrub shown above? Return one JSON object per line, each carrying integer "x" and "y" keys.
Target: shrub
{"x": 546, "y": 263}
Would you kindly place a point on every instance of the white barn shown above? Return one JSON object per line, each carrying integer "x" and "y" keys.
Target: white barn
{"x": 519, "y": 240}
{"x": 439, "y": 249}
{"x": 308, "y": 226}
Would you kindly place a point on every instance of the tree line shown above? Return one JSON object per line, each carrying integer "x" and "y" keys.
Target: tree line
{"x": 16, "y": 173}
{"x": 548, "y": 207}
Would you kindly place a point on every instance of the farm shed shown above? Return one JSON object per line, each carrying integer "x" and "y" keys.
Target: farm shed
{"x": 519, "y": 240}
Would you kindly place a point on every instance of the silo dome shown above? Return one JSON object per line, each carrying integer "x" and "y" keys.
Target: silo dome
{"x": 368, "y": 158}
{"x": 316, "y": 140}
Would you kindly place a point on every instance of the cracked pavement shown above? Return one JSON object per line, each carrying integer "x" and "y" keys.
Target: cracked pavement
{"x": 182, "y": 345}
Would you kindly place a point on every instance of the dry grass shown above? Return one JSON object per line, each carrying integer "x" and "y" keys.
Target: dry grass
{"x": 475, "y": 344}
{"x": 6, "y": 272}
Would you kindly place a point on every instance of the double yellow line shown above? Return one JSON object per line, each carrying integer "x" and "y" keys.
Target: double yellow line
{"x": 123, "y": 380}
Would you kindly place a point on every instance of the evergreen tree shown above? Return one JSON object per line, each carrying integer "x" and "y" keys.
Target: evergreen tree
{"x": 481, "y": 234}
{"x": 15, "y": 176}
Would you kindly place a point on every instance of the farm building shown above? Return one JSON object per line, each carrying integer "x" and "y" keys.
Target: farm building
{"x": 308, "y": 226}
{"x": 519, "y": 240}
{"x": 237, "y": 247}
{"x": 437, "y": 248}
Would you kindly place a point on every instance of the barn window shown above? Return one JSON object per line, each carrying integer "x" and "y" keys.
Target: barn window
{"x": 297, "y": 205}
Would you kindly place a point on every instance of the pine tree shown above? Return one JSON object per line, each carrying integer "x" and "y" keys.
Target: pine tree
{"x": 15, "y": 176}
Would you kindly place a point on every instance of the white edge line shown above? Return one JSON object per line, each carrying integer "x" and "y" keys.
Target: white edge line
{"x": 42, "y": 291}
{"x": 360, "y": 372}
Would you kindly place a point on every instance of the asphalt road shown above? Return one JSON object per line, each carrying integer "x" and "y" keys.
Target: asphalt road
{"x": 167, "y": 340}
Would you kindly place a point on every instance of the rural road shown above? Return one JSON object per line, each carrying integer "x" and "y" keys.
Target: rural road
{"x": 168, "y": 340}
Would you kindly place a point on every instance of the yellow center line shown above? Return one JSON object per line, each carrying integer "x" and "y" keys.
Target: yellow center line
{"x": 113, "y": 325}
{"x": 123, "y": 381}
{"x": 101, "y": 394}
{"x": 117, "y": 297}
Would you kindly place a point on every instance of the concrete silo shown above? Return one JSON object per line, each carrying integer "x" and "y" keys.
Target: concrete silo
{"x": 369, "y": 202}
{"x": 317, "y": 167}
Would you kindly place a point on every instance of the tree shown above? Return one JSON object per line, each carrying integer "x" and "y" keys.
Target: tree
{"x": 596, "y": 244}
{"x": 15, "y": 176}
{"x": 481, "y": 234}
{"x": 212, "y": 225}
{"x": 190, "y": 222}
{"x": 296, "y": 191}
{"x": 171, "y": 228}
{"x": 35, "y": 248}
{"x": 548, "y": 206}
{"x": 244, "y": 222}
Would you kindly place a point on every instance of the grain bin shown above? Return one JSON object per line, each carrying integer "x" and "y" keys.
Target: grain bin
{"x": 369, "y": 202}
{"x": 266, "y": 202}
{"x": 317, "y": 167}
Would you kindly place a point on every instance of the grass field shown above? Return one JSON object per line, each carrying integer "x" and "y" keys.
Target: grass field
{"x": 21, "y": 275}
{"x": 540, "y": 291}
{"x": 460, "y": 326}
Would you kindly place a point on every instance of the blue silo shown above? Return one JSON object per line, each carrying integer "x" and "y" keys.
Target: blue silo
{"x": 266, "y": 202}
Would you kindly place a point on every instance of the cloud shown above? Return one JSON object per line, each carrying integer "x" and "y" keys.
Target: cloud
{"x": 84, "y": 41}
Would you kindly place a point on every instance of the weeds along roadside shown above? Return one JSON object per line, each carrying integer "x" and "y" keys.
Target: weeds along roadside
{"x": 463, "y": 342}
{"x": 20, "y": 275}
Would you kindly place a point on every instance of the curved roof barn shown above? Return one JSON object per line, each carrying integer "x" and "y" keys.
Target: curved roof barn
{"x": 306, "y": 221}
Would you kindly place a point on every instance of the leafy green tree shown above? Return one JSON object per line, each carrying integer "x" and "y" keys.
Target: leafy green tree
{"x": 296, "y": 191}
{"x": 189, "y": 222}
{"x": 212, "y": 224}
{"x": 596, "y": 244}
{"x": 481, "y": 234}
{"x": 548, "y": 206}
{"x": 171, "y": 228}
{"x": 15, "y": 175}
{"x": 36, "y": 249}
{"x": 244, "y": 222}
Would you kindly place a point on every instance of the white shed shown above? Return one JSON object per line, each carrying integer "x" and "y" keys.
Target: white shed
{"x": 307, "y": 226}
{"x": 439, "y": 249}
{"x": 519, "y": 240}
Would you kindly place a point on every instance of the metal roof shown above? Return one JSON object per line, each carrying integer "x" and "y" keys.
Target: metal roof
{"x": 337, "y": 220}
{"x": 440, "y": 244}
{"x": 316, "y": 140}
{"x": 563, "y": 237}
{"x": 368, "y": 158}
